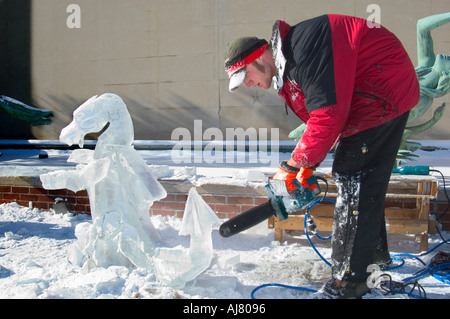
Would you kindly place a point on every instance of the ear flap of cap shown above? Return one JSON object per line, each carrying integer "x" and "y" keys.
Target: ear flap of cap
{"x": 236, "y": 79}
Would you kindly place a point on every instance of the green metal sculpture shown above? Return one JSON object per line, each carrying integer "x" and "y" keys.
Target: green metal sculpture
{"x": 25, "y": 112}
{"x": 433, "y": 73}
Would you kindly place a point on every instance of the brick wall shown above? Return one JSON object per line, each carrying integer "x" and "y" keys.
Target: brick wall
{"x": 226, "y": 201}
{"x": 226, "y": 206}
{"x": 44, "y": 199}
{"x": 440, "y": 210}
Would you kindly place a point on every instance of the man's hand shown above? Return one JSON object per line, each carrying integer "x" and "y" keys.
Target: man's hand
{"x": 287, "y": 173}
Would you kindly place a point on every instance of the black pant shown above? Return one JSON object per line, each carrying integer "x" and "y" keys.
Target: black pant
{"x": 361, "y": 170}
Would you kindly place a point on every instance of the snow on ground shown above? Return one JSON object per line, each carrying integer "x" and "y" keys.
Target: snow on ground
{"x": 34, "y": 244}
{"x": 34, "y": 247}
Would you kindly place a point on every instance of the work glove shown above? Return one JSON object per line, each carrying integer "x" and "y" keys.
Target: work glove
{"x": 298, "y": 133}
{"x": 289, "y": 173}
{"x": 303, "y": 177}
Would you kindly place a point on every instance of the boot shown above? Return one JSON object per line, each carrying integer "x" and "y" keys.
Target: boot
{"x": 345, "y": 290}
{"x": 383, "y": 259}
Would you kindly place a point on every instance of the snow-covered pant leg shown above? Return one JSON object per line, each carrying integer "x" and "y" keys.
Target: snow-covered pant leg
{"x": 345, "y": 221}
{"x": 362, "y": 168}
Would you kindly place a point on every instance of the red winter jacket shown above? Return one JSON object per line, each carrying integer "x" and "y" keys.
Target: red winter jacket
{"x": 340, "y": 77}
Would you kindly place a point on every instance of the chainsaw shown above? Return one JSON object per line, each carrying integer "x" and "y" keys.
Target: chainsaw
{"x": 281, "y": 204}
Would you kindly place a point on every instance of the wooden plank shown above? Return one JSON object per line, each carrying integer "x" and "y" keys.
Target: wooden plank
{"x": 401, "y": 213}
{"x": 320, "y": 210}
{"x": 278, "y": 234}
{"x": 423, "y": 242}
{"x": 394, "y": 196}
{"x": 296, "y": 223}
{"x": 428, "y": 185}
{"x": 390, "y": 212}
{"x": 432, "y": 227}
{"x": 394, "y": 178}
{"x": 415, "y": 227}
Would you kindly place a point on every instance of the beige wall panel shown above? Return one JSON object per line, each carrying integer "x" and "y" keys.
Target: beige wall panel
{"x": 165, "y": 58}
{"x": 202, "y": 94}
{"x": 126, "y": 71}
{"x": 299, "y": 10}
{"x": 198, "y": 67}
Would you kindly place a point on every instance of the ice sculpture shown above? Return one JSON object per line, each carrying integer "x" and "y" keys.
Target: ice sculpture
{"x": 121, "y": 190}
{"x": 119, "y": 183}
{"x": 176, "y": 266}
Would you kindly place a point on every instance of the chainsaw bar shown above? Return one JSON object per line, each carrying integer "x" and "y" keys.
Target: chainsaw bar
{"x": 246, "y": 220}
{"x": 281, "y": 203}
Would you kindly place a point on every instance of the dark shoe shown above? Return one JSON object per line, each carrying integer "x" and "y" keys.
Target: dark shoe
{"x": 383, "y": 259}
{"x": 330, "y": 291}
{"x": 354, "y": 290}
{"x": 346, "y": 290}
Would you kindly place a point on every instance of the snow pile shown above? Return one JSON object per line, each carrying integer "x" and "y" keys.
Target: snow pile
{"x": 34, "y": 247}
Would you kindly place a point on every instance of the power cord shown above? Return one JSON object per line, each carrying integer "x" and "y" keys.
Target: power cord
{"x": 441, "y": 271}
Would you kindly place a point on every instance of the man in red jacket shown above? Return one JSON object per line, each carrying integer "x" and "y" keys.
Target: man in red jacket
{"x": 353, "y": 85}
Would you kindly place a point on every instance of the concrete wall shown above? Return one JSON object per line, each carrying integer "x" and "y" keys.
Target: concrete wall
{"x": 15, "y": 76}
{"x": 165, "y": 58}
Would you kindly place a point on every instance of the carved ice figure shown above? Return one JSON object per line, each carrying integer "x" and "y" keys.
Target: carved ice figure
{"x": 121, "y": 190}
{"x": 119, "y": 183}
